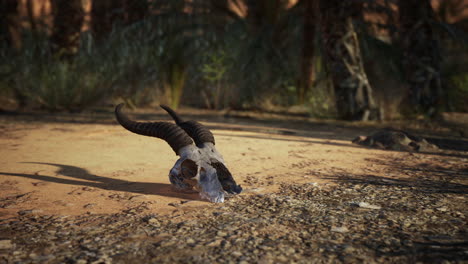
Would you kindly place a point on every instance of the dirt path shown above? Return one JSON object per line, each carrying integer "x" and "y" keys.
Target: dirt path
{"x": 67, "y": 166}
{"x": 71, "y": 169}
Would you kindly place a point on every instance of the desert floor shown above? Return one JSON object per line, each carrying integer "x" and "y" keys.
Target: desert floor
{"x": 86, "y": 167}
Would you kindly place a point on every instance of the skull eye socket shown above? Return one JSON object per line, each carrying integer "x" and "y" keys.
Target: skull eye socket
{"x": 189, "y": 169}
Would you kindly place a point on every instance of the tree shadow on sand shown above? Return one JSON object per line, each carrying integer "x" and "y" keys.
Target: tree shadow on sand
{"x": 83, "y": 177}
{"x": 420, "y": 177}
{"x": 307, "y": 131}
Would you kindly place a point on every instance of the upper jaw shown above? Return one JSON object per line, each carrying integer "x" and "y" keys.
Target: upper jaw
{"x": 207, "y": 180}
{"x": 214, "y": 198}
{"x": 210, "y": 187}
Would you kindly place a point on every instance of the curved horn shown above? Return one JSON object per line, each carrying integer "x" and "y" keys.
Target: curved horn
{"x": 195, "y": 130}
{"x": 172, "y": 134}
{"x": 173, "y": 114}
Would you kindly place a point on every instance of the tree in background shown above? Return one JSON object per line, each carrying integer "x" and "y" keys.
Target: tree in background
{"x": 353, "y": 93}
{"x": 307, "y": 70}
{"x": 136, "y": 10}
{"x": 106, "y": 14}
{"x": 68, "y": 20}
{"x": 9, "y": 23}
{"x": 421, "y": 54}
{"x": 10, "y": 34}
{"x": 31, "y": 20}
{"x": 263, "y": 50}
{"x": 261, "y": 13}
{"x": 268, "y": 50}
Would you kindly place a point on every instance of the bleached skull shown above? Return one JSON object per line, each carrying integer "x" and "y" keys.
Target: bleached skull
{"x": 200, "y": 166}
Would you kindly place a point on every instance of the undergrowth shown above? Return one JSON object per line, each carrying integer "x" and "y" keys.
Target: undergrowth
{"x": 204, "y": 60}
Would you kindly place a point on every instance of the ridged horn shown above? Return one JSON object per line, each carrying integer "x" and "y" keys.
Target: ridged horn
{"x": 172, "y": 134}
{"x": 195, "y": 130}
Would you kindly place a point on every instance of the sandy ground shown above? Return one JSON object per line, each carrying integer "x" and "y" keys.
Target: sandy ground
{"x": 87, "y": 164}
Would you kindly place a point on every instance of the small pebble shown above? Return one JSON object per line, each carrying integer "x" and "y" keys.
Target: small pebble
{"x": 367, "y": 205}
{"x": 6, "y": 244}
{"x": 341, "y": 229}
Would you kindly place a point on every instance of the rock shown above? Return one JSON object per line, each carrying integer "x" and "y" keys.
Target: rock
{"x": 442, "y": 209}
{"x": 394, "y": 139}
{"x": 221, "y": 234}
{"x": 31, "y": 211}
{"x": 367, "y": 205}
{"x": 138, "y": 198}
{"x": 289, "y": 250}
{"x": 341, "y": 229}
{"x": 215, "y": 243}
{"x": 89, "y": 206}
{"x": 254, "y": 190}
{"x": 6, "y": 244}
{"x": 153, "y": 221}
{"x": 39, "y": 183}
{"x": 349, "y": 249}
{"x": 283, "y": 259}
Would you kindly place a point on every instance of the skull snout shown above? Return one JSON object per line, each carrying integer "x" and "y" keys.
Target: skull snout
{"x": 235, "y": 189}
{"x": 210, "y": 187}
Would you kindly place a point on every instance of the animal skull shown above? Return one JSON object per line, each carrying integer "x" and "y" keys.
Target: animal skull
{"x": 200, "y": 166}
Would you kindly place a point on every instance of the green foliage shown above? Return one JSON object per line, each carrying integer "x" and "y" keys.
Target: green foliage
{"x": 222, "y": 58}
{"x": 213, "y": 71}
{"x": 174, "y": 82}
{"x": 455, "y": 75}
{"x": 458, "y": 94}
{"x": 118, "y": 68}
{"x": 215, "y": 67}
{"x": 58, "y": 86}
{"x": 265, "y": 61}
{"x": 211, "y": 56}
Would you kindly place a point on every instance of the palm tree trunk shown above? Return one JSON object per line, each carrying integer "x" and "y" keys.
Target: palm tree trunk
{"x": 9, "y": 23}
{"x": 263, "y": 12}
{"x": 255, "y": 15}
{"x": 31, "y": 18}
{"x": 68, "y": 20}
{"x": 105, "y": 14}
{"x": 136, "y": 10}
{"x": 353, "y": 93}
{"x": 306, "y": 77}
{"x": 421, "y": 55}
{"x": 10, "y": 34}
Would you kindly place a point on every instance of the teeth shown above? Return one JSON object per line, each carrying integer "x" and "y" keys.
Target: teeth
{"x": 219, "y": 199}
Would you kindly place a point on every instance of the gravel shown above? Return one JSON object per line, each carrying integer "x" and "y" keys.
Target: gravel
{"x": 303, "y": 223}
